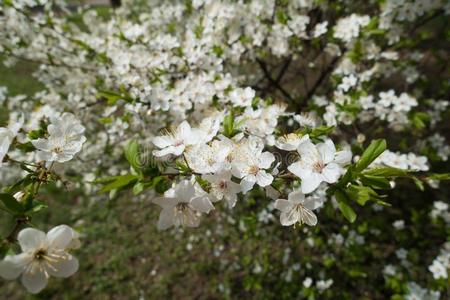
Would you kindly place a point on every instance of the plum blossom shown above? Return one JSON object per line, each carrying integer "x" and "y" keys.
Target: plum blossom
{"x": 7, "y": 135}
{"x": 181, "y": 205}
{"x": 175, "y": 142}
{"x": 290, "y": 142}
{"x": 64, "y": 141}
{"x": 319, "y": 163}
{"x": 297, "y": 209}
{"x": 43, "y": 255}
{"x": 222, "y": 187}
{"x": 251, "y": 167}
{"x": 205, "y": 158}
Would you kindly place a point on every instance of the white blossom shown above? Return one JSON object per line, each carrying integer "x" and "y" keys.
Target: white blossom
{"x": 43, "y": 255}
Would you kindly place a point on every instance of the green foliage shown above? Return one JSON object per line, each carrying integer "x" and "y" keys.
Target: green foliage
{"x": 374, "y": 150}
{"x": 344, "y": 206}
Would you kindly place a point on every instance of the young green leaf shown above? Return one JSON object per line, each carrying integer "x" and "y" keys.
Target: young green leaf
{"x": 11, "y": 203}
{"x": 345, "y": 207}
{"x": 131, "y": 152}
{"x": 370, "y": 154}
{"x": 387, "y": 172}
{"x": 120, "y": 182}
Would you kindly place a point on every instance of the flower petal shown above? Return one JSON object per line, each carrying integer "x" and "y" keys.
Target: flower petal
{"x": 308, "y": 217}
{"x": 63, "y": 268}
{"x": 299, "y": 170}
{"x": 332, "y": 172}
{"x": 289, "y": 217}
{"x": 34, "y": 281}
{"x": 266, "y": 159}
{"x": 326, "y": 151}
{"x": 60, "y": 236}
{"x": 282, "y": 204}
{"x": 163, "y": 141}
{"x": 343, "y": 157}
{"x": 263, "y": 178}
{"x": 165, "y": 202}
{"x": 166, "y": 219}
{"x": 202, "y": 204}
{"x": 31, "y": 239}
{"x": 247, "y": 184}
{"x": 14, "y": 265}
{"x": 309, "y": 184}
{"x": 296, "y": 196}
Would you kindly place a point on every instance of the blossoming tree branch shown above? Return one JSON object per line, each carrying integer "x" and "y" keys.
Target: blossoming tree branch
{"x": 200, "y": 105}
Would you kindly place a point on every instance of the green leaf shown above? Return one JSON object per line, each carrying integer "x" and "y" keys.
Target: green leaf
{"x": 20, "y": 185}
{"x": 444, "y": 176}
{"x": 418, "y": 183}
{"x": 161, "y": 184}
{"x": 35, "y": 134}
{"x": 132, "y": 155}
{"x": 387, "y": 172}
{"x": 361, "y": 194}
{"x": 345, "y": 207}
{"x": 370, "y": 154}
{"x": 11, "y": 203}
{"x": 119, "y": 182}
{"x": 37, "y": 206}
{"x": 349, "y": 176}
{"x": 319, "y": 131}
{"x": 228, "y": 124}
{"x": 138, "y": 188}
{"x": 375, "y": 182}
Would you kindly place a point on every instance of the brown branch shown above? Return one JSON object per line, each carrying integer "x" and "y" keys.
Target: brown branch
{"x": 272, "y": 81}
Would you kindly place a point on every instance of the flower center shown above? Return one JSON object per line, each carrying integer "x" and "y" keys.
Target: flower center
{"x": 40, "y": 254}
{"x": 318, "y": 167}
{"x": 253, "y": 170}
{"x": 223, "y": 185}
{"x": 57, "y": 149}
{"x": 183, "y": 206}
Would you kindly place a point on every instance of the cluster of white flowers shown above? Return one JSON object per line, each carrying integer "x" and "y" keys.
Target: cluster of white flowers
{"x": 440, "y": 210}
{"x": 348, "y": 28}
{"x": 232, "y": 166}
{"x": 389, "y": 107}
{"x": 408, "y": 161}
{"x": 416, "y": 292}
{"x": 441, "y": 264}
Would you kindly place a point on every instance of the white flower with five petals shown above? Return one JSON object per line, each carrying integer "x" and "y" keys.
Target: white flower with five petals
{"x": 175, "y": 142}
{"x": 66, "y": 138}
{"x": 222, "y": 187}
{"x": 297, "y": 209}
{"x": 252, "y": 170}
{"x": 181, "y": 205}
{"x": 43, "y": 255}
{"x": 319, "y": 163}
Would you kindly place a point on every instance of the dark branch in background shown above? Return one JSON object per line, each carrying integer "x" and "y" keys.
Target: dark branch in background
{"x": 272, "y": 81}
{"x": 283, "y": 70}
{"x": 324, "y": 75}
{"x": 115, "y": 3}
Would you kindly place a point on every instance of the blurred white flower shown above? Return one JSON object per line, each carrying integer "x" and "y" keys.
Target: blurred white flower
{"x": 223, "y": 188}
{"x": 297, "y": 209}
{"x": 7, "y": 135}
{"x": 43, "y": 255}
{"x": 180, "y": 205}
{"x": 176, "y": 141}
{"x": 65, "y": 139}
